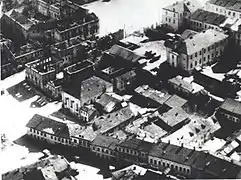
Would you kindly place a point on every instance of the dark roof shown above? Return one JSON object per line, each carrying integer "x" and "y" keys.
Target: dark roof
{"x": 124, "y": 53}
{"x": 232, "y": 106}
{"x": 51, "y": 126}
{"x": 208, "y": 17}
{"x": 136, "y": 144}
{"x": 73, "y": 88}
{"x": 211, "y": 165}
{"x": 105, "y": 141}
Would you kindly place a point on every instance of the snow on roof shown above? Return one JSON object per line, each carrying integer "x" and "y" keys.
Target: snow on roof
{"x": 134, "y": 39}
{"x": 209, "y": 72}
{"x": 213, "y": 145}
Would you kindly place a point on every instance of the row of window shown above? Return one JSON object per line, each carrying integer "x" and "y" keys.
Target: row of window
{"x": 174, "y": 167}
{"x": 199, "y": 25}
{"x": 104, "y": 151}
{"x": 51, "y": 137}
{"x": 169, "y": 20}
{"x": 230, "y": 13}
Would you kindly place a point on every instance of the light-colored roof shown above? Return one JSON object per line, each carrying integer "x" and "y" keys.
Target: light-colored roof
{"x": 201, "y": 40}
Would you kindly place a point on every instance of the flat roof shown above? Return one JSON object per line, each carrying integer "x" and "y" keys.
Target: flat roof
{"x": 79, "y": 66}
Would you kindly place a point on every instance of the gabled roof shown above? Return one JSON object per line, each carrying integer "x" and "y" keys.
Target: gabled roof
{"x": 48, "y": 125}
{"x": 124, "y": 53}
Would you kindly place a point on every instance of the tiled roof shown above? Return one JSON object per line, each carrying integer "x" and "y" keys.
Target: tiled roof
{"x": 51, "y": 126}
{"x": 231, "y": 106}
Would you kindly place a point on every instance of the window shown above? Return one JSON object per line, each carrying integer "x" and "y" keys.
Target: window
{"x": 174, "y": 15}
{"x": 200, "y": 61}
{"x": 155, "y": 162}
{"x": 191, "y": 65}
{"x": 229, "y": 13}
{"x": 180, "y": 168}
{"x": 200, "y": 53}
{"x": 234, "y": 14}
{"x": 151, "y": 161}
{"x": 71, "y": 104}
{"x": 166, "y": 19}
{"x": 191, "y": 57}
{"x": 204, "y": 59}
{"x": 174, "y": 21}
{"x": 170, "y": 20}
{"x": 75, "y": 141}
{"x": 208, "y": 57}
{"x": 195, "y": 63}
{"x": 77, "y": 107}
{"x": 204, "y": 50}
{"x": 209, "y": 48}
{"x": 195, "y": 54}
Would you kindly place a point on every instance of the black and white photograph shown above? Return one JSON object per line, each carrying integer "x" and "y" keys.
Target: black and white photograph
{"x": 120, "y": 89}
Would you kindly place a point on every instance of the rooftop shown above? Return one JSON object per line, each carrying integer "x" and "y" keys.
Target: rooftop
{"x": 107, "y": 122}
{"x": 124, "y": 53}
{"x": 188, "y": 33}
{"x": 153, "y": 94}
{"x": 21, "y": 19}
{"x": 231, "y": 106}
{"x": 47, "y": 168}
{"x": 190, "y": 87}
{"x": 208, "y": 17}
{"x": 107, "y": 102}
{"x": 93, "y": 87}
{"x": 105, "y": 141}
{"x": 229, "y": 4}
{"x": 185, "y": 5}
{"x": 136, "y": 144}
{"x": 68, "y": 43}
{"x": 173, "y": 116}
{"x": 199, "y": 41}
{"x": 48, "y": 125}
{"x": 77, "y": 67}
{"x": 175, "y": 101}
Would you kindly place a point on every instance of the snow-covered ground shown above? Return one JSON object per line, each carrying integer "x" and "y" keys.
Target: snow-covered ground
{"x": 14, "y": 116}
{"x": 132, "y": 15}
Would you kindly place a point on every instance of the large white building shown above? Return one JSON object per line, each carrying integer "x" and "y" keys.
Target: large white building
{"x": 197, "y": 50}
{"x": 177, "y": 14}
{"x": 228, "y": 8}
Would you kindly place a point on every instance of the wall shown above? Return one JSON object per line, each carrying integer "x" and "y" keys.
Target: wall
{"x": 67, "y": 99}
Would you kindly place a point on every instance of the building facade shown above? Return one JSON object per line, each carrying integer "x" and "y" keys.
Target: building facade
{"x": 196, "y": 51}
{"x": 230, "y": 8}
{"x": 178, "y": 14}
{"x": 40, "y": 72}
{"x": 202, "y": 20}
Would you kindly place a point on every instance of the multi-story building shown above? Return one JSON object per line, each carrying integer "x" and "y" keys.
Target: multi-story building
{"x": 181, "y": 86}
{"x": 77, "y": 95}
{"x": 49, "y": 130}
{"x": 203, "y": 20}
{"x": 104, "y": 147}
{"x": 68, "y": 50}
{"x": 86, "y": 27}
{"x": 78, "y": 71}
{"x": 178, "y": 14}
{"x": 230, "y": 113}
{"x": 16, "y": 26}
{"x": 7, "y": 61}
{"x": 229, "y": 8}
{"x": 28, "y": 53}
{"x": 198, "y": 50}
{"x": 56, "y": 9}
{"x": 134, "y": 150}
{"x": 54, "y": 88}
{"x": 40, "y": 72}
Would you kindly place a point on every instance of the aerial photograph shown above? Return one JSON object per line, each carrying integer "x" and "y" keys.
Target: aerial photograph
{"x": 120, "y": 89}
